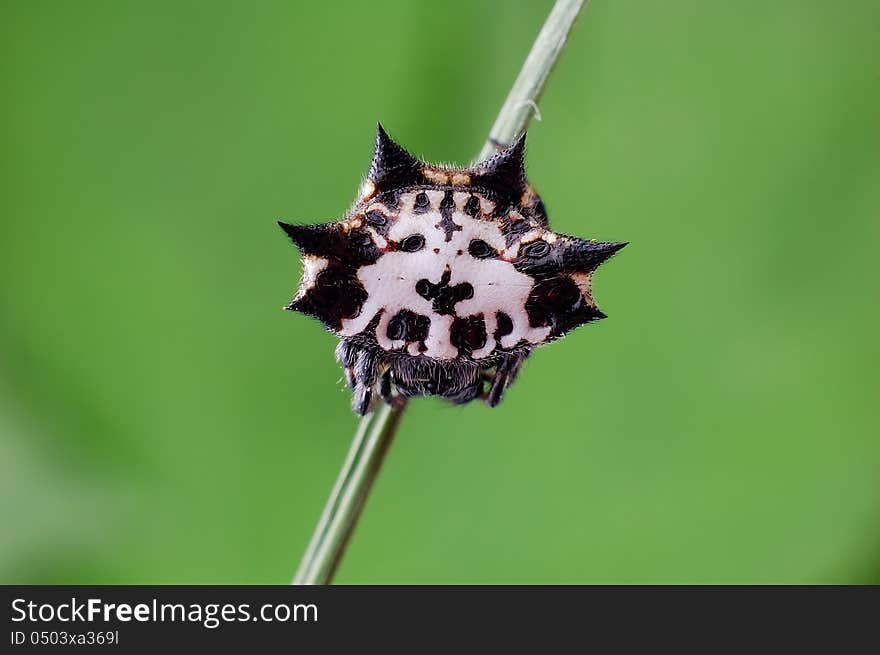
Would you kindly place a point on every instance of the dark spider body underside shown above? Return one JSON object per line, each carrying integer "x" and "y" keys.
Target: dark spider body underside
{"x": 441, "y": 281}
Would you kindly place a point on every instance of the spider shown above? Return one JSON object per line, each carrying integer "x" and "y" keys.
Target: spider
{"x": 442, "y": 280}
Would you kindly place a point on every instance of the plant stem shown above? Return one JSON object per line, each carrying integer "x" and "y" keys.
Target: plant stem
{"x": 522, "y": 101}
{"x": 376, "y": 430}
{"x": 360, "y": 469}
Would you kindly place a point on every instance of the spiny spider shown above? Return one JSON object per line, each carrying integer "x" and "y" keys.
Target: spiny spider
{"x": 442, "y": 281}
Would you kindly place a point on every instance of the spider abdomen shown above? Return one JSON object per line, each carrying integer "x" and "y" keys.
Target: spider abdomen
{"x": 441, "y": 281}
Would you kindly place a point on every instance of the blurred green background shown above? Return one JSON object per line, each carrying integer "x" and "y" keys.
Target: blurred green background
{"x": 163, "y": 421}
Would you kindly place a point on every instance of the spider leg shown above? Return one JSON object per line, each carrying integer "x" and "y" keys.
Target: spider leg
{"x": 385, "y": 387}
{"x": 504, "y": 376}
{"x": 347, "y": 354}
{"x": 391, "y": 394}
{"x": 365, "y": 375}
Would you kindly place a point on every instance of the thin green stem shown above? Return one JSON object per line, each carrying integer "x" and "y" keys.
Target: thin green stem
{"x": 522, "y": 101}
{"x": 359, "y": 470}
{"x": 376, "y": 430}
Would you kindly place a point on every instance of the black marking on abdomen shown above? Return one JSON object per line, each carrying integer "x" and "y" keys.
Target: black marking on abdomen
{"x": 479, "y": 249}
{"x": 468, "y": 334}
{"x": 444, "y": 297}
{"x": 336, "y": 295}
{"x": 446, "y": 223}
{"x": 408, "y": 326}
{"x": 379, "y": 222}
{"x": 557, "y": 302}
{"x": 412, "y": 243}
{"x": 504, "y": 325}
{"x": 421, "y": 203}
{"x": 540, "y": 259}
{"x": 472, "y": 206}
